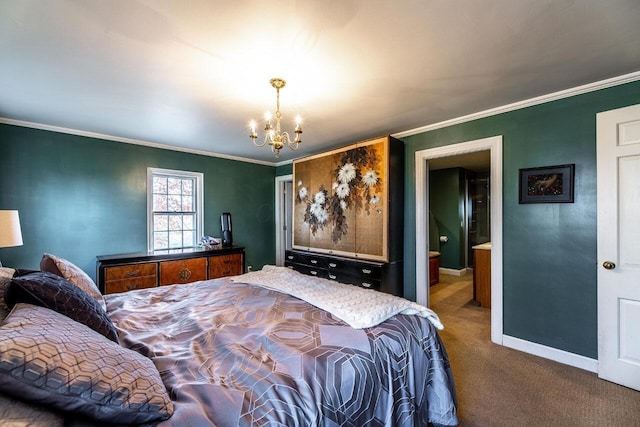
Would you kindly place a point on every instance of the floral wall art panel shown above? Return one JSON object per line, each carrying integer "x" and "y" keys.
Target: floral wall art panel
{"x": 340, "y": 201}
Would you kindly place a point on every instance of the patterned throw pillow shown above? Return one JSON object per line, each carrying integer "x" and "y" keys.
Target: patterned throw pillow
{"x": 73, "y": 274}
{"x": 49, "y": 359}
{"x": 54, "y": 292}
{"x": 5, "y": 277}
{"x": 18, "y": 413}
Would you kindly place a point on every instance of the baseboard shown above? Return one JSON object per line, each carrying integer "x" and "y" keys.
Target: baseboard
{"x": 551, "y": 353}
{"x": 453, "y": 272}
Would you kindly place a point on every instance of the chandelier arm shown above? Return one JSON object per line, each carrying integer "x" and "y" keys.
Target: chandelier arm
{"x": 266, "y": 139}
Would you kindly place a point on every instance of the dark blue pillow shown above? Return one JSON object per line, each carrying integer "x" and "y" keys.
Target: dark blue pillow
{"x": 56, "y": 293}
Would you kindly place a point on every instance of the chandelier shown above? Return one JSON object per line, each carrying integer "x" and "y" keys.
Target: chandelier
{"x": 273, "y": 136}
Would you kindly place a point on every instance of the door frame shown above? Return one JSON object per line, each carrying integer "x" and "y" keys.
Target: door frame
{"x": 279, "y": 213}
{"x": 494, "y": 145}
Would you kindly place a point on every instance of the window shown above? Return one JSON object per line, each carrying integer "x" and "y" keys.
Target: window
{"x": 175, "y": 209}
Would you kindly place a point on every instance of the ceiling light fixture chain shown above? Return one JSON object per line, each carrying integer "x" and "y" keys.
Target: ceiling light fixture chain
{"x": 274, "y": 137}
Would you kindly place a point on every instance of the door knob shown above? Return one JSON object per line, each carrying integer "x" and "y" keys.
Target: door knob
{"x": 608, "y": 265}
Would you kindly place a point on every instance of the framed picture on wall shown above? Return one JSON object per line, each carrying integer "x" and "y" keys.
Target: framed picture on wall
{"x": 550, "y": 184}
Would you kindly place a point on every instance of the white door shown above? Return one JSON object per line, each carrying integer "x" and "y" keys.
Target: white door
{"x": 618, "y": 145}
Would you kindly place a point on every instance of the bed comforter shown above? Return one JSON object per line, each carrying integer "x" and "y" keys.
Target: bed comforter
{"x": 236, "y": 354}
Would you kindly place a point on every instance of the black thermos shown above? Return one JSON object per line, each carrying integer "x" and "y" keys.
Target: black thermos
{"x": 227, "y": 237}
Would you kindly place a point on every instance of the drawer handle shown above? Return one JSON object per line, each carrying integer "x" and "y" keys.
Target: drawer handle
{"x": 332, "y": 277}
{"x": 184, "y": 274}
{"x": 290, "y": 267}
{"x": 366, "y": 285}
{"x": 333, "y": 265}
{"x": 132, "y": 287}
{"x": 314, "y": 261}
{"x": 314, "y": 273}
{"x": 290, "y": 256}
{"x": 133, "y": 273}
{"x": 366, "y": 271}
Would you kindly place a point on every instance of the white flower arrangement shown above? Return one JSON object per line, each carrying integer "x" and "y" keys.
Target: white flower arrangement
{"x": 356, "y": 187}
{"x": 370, "y": 178}
{"x": 302, "y": 194}
{"x": 342, "y": 191}
{"x": 347, "y": 173}
{"x": 319, "y": 198}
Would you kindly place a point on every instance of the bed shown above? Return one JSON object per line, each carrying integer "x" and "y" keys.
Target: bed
{"x": 245, "y": 350}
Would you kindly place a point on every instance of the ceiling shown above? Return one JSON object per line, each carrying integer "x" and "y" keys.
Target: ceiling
{"x": 192, "y": 73}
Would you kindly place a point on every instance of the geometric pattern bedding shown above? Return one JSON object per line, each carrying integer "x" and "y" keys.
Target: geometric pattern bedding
{"x": 234, "y": 354}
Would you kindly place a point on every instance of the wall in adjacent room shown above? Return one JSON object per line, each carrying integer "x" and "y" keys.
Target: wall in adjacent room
{"x": 80, "y": 197}
{"x": 446, "y": 202}
{"x": 549, "y": 250}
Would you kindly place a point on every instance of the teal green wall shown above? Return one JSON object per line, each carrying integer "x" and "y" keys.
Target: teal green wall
{"x": 80, "y": 197}
{"x": 446, "y": 201}
{"x": 549, "y": 250}
{"x": 284, "y": 169}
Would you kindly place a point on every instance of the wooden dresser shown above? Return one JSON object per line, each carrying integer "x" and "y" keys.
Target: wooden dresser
{"x": 125, "y": 272}
{"x": 381, "y": 276}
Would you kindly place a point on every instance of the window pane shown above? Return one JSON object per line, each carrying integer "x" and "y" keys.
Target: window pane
{"x": 160, "y": 222}
{"x": 159, "y": 203}
{"x": 175, "y": 222}
{"x": 175, "y": 239}
{"x": 188, "y": 222}
{"x": 159, "y": 185}
{"x": 160, "y": 241}
{"x": 187, "y": 204}
{"x": 187, "y": 186}
{"x": 174, "y": 185}
{"x": 189, "y": 238}
{"x": 174, "y": 203}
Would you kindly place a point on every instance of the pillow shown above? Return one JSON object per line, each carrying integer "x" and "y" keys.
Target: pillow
{"x": 54, "y": 292}
{"x": 5, "y": 277}
{"x": 72, "y": 273}
{"x": 17, "y": 413}
{"x": 49, "y": 359}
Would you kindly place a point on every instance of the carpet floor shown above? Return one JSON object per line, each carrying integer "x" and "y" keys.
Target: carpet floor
{"x": 499, "y": 386}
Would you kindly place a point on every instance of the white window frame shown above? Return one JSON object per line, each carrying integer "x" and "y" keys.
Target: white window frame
{"x": 199, "y": 201}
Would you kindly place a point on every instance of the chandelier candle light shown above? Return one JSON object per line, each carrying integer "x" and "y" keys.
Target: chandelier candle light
{"x": 277, "y": 139}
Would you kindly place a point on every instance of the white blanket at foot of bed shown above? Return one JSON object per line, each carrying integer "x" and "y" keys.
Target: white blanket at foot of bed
{"x": 359, "y": 307}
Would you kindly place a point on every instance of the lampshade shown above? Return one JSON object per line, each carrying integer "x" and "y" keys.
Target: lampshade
{"x": 10, "y": 234}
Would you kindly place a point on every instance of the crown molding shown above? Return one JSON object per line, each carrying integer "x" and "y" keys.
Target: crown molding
{"x": 106, "y": 137}
{"x": 579, "y": 90}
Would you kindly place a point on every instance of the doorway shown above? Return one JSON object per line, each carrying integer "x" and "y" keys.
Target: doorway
{"x": 283, "y": 213}
{"x": 423, "y": 158}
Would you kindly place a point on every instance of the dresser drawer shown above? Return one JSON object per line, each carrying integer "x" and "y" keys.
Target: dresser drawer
{"x": 307, "y": 269}
{"x": 362, "y": 281}
{"x": 130, "y": 271}
{"x": 183, "y": 271}
{"x": 309, "y": 259}
{"x": 312, "y": 271}
{"x": 225, "y": 265}
{"x": 367, "y": 271}
{"x": 124, "y": 285}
